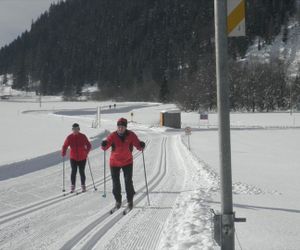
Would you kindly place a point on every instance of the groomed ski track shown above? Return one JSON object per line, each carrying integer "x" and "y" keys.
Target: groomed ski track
{"x": 15, "y": 214}
{"x": 84, "y": 219}
{"x": 142, "y": 227}
{"x": 107, "y": 221}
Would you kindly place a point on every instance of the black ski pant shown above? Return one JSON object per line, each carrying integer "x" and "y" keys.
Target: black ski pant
{"x": 115, "y": 175}
{"x": 75, "y": 165}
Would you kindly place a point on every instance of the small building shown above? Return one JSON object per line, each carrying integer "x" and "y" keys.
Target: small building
{"x": 170, "y": 118}
{"x": 5, "y": 92}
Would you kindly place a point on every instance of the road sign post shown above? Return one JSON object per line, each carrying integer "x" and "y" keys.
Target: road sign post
{"x": 225, "y": 26}
{"x": 188, "y": 132}
{"x": 98, "y": 116}
{"x": 227, "y": 226}
{"x": 131, "y": 114}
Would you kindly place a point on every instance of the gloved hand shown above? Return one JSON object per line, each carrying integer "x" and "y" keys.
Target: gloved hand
{"x": 113, "y": 147}
{"x": 104, "y": 143}
{"x": 142, "y": 144}
{"x": 63, "y": 154}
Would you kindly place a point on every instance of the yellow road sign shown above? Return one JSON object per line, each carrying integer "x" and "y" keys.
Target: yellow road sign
{"x": 236, "y": 18}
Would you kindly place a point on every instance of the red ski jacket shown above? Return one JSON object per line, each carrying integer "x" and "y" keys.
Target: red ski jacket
{"x": 79, "y": 144}
{"x": 122, "y": 147}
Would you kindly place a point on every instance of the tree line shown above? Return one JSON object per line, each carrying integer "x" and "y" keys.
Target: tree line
{"x": 254, "y": 86}
{"x": 152, "y": 50}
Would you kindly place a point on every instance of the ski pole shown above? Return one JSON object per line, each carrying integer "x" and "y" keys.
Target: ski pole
{"x": 63, "y": 190}
{"x": 91, "y": 173}
{"x": 146, "y": 178}
{"x": 104, "y": 192}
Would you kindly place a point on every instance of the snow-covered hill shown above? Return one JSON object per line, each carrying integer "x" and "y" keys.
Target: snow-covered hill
{"x": 288, "y": 51}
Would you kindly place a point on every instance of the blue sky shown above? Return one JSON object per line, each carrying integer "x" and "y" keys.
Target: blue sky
{"x": 16, "y": 16}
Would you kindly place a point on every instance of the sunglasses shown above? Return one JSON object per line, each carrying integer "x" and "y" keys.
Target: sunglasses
{"x": 121, "y": 126}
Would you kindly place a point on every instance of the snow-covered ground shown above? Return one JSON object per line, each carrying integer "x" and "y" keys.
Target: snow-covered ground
{"x": 265, "y": 167}
{"x": 183, "y": 184}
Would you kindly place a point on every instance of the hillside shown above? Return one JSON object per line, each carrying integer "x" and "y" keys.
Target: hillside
{"x": 138, "y": 50}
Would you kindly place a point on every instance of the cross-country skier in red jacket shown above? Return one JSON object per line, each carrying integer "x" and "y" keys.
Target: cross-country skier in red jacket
{"x": 122, "y": 142}
{"x": 80, "y": 147}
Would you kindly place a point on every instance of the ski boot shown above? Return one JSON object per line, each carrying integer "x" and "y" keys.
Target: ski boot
{"x": 130, "y": 205}
{"x": 128, "y": 208}
{"x": 116, "y": 207}
{"x": 72, "y": 189}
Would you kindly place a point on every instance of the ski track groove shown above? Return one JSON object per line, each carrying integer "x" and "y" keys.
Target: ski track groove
{"x": 144, "y": 227}
{"x": 100, "y": 233}
{"x": 103, "y": 230}
{"x": 149, "y": 242}
{"x": 156, "y": 219}
{"x": 40, "y": 205}
{"x": 50, "y": 201}
{"x": 29, "y": 222}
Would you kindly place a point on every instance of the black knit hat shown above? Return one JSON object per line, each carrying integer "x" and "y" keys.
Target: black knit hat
{"x": 122, "y": 122}
{"x": 75, "y": 125}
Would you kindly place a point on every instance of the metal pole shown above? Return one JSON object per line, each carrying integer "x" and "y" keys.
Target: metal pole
{"x": 189, "y": 142}
{"x": 291, "y": 106}
{"x": 146, "y": 178}
{"x": 104, "y": 192}
{"x": 98, "y": 116}
{"x": 40, "y": 92}
{"x": 224, "y": 124}
{"x": 64, "y": 189}
{"x": 88, "y": 160}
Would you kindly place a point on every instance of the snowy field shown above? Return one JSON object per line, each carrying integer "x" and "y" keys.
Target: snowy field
{"x": 183, "y": 184}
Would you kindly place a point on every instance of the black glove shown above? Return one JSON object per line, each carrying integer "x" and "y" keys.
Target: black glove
{"x": 104, "y": 143}
{"x": 113, "y": 147}
{"x": 142, "y": 144}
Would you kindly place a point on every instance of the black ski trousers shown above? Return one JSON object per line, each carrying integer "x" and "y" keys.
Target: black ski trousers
{"x": 115, "y": 175}
{"x": 75, "y": 165}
